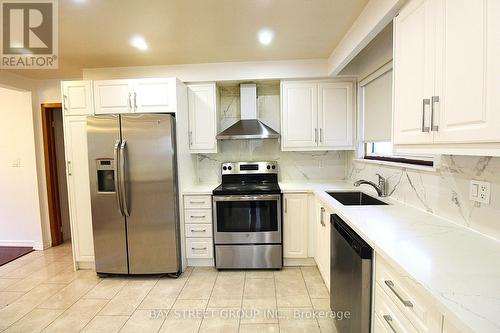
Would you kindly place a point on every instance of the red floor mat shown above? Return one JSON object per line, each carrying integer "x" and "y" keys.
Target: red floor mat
{"x": 9, "y": 253}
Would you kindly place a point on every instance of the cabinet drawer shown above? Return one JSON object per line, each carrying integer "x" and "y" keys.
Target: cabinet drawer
{"x": 198, "y": 230}
{"x": 390, "y": 317}
{"x": 197, "y": 201}
{"x": 198, "y": 216}
{"x": 410, "y": 298}
{"x": 202, "y": 248}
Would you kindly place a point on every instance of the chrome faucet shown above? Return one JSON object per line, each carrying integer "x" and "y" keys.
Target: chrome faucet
{"x": 381, "y": 188}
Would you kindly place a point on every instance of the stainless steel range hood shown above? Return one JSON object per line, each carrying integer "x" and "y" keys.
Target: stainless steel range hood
{"x": 249, "y": 127}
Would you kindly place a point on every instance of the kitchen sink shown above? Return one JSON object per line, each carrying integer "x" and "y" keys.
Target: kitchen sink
{"x": 355, "y": 198}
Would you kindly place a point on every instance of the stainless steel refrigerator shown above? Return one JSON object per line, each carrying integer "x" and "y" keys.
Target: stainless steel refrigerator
{"x": 133, "y": 185}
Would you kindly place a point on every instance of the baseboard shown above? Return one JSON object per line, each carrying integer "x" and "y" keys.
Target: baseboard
{"x": 200, "y": 262}
{"x": 39, "y": 246}
{"x": 299, "y": 262}
{"x": 287, "y": 262}
{"x": 90, "y": 265}
{"x": 24, "y": 243}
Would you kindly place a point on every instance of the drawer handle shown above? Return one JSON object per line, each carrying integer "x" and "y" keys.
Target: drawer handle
{"x": 388, "y": 320}
{"x": 198, "y": 230}
{"x": 197, "y": 201}
{"x": 391, "y": 286}
{"x": 199, "y": 248}
{"x": 198, "y": 216}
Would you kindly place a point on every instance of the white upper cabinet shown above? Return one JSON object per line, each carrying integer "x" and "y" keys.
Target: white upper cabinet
{"x": 154, "y": 95}
{"x": 413, "y": 80}
{"x": 316, "y": 115}
{"x": 446, "y": 73}
{"x": 295, "y": 225}
{"x": 202, "y": 106}
{"x": 334, "y": 115}
{"x": 299, "y": 117}
{"x": 139, "y": 96}
{"x": 113, "y": 96}
{"x": 468, "y": 71}
{"x": 77, "y": 98}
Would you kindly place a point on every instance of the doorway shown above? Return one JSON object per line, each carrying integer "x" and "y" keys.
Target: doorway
{"x": 55, "y": 172}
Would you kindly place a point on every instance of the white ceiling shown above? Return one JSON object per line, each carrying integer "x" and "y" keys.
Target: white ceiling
{"x": 96, "y": 33}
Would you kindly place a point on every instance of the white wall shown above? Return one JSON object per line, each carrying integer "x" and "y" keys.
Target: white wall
{"x": 42, "y": 91}
{"x": 20, "y": 220}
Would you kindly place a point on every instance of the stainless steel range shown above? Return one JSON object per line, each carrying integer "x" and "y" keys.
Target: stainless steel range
{"x": 247, "y": 216}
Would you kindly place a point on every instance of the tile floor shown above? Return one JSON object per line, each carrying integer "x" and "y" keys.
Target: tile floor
{"x": 40, "y": 292}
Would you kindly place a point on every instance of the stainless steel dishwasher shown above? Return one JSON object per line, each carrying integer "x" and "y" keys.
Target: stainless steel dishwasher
{"x": 350, "y": 278}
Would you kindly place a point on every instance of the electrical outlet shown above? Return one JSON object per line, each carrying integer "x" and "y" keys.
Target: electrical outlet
{"x": 480, "y": 191}
{"x": 16, "y": 163}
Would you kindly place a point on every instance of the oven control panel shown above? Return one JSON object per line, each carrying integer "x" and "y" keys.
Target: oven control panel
{"x": 249, "y": 167}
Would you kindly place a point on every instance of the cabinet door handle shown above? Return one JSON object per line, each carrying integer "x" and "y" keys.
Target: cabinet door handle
{"x": 65, "y": 102}
{"x": 425, "y": 102}
{"x": 135, "y": 101}
{"x": 435, "y": 99}
{"x": 388, "y": 320}
{"x": 197, "y": 201}
{"x": 322, "y": 216}
{"x": 286, "y": 205}
{"x": 391, "y": 286}
{"x": 190, "y": 138}
{"x": 69, "y": 168}
{"x": 320, "y": 135}
{"x": 130, "y": 101}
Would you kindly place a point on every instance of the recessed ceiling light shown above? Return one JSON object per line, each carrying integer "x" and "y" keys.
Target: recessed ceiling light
{"x": 138, "y": 42}
{"x": 265, "y": 36}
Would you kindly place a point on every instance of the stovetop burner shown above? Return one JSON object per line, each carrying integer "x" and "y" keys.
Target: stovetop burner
{"x": 241, "y": 178}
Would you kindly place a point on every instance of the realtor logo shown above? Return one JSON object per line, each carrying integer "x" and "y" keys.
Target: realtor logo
{"x": 29, "y": 34}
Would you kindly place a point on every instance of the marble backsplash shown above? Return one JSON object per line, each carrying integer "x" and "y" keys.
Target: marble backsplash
{"x": 444, "y": 192}
{"x": 293, "y": 166}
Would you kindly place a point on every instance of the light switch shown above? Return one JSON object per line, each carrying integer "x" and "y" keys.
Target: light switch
{"x": 474, "y": 190}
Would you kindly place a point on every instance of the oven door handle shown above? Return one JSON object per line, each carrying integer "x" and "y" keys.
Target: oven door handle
{"x": 263, "y": 197}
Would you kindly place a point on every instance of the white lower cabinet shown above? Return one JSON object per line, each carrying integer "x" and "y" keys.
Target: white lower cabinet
{"x": 198, "y": 229}
{"x": 199, "y": 248}
{"x": 390, "y": 317}
{"x": 322, "y": 249}
{"x": 413, "y": 308}
{"x": 77, "y": 171}
{"x": 448, "y": 327}
{"x": 295, "y": 225}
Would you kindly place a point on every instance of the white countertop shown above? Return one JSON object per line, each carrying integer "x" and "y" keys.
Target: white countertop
{"x": 199, "y": 189}
{"x": 460, "y": 268}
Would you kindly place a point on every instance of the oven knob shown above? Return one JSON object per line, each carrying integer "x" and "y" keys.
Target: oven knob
{"x": 229, "y": 168}
{"x": 274, "y": 167}
{"x": 268, "y": 167}
{"x": 224, "y": 168}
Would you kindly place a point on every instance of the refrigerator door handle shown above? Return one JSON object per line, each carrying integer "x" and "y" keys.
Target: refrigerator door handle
{"x": 117, "y": 177}
{"x": 123, "y": 183}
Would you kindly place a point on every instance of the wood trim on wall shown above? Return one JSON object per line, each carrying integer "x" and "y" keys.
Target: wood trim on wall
{"x": 49, "y": 149}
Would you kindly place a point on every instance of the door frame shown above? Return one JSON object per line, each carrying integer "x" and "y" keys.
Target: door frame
{"x": 52, "y": 181}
